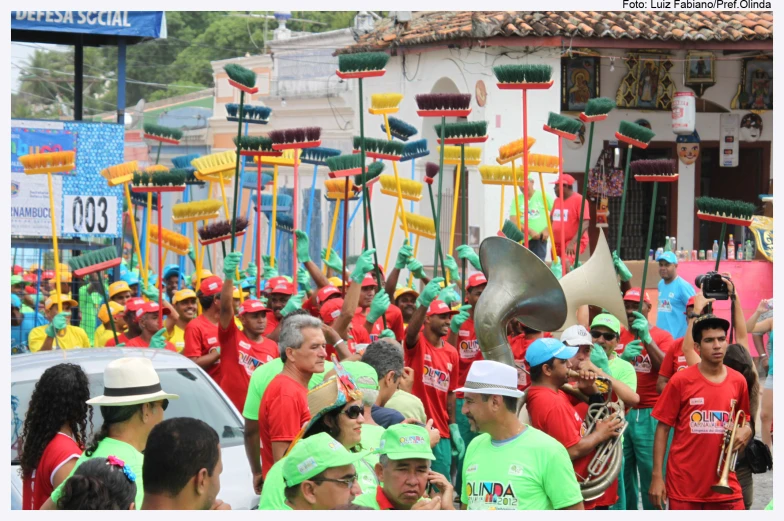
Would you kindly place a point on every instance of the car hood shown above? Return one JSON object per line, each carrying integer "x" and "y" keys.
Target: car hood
{"x": 236, "y": 481}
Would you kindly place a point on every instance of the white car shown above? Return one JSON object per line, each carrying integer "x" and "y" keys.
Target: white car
{"x": 200, "y": 397}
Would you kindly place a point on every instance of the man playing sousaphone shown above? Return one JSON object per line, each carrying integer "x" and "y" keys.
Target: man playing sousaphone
{"x": 702, "y": 404}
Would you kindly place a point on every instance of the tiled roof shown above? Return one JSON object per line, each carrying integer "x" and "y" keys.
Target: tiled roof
{"x": 429, "y": 27}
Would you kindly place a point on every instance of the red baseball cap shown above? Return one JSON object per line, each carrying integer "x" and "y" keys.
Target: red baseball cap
{"x": 369, "y": 280}
{"x": 134, "y": 303}
{"x": 438, "y": 307}
{"x": 48, "y": 275}
{"x": 284, "y": 287}
{"x": 567, "y": 179}
{"x": 477, "y": 279}
{"x": 634, "y": 295}
{"x": 331, "y": 310}
{"x": 149, "y": 307}
{"x": 17, "y": 270}
{"x": 252, "y": 306}
{"x": 689, "y": 303}
{"x": 326, "y": 292}
{"x": 211, "y": 286}
{"x": 274, "y": 281}
{"x": 30, "y": 290}
{"x": 29, "y": 278}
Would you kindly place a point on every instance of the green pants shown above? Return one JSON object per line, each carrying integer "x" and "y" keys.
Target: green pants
{"x": 443, "y": 453}
{"x": 638, "y": 457}
{"x": 467, "y": 435}
{"x": 621, "y": 503}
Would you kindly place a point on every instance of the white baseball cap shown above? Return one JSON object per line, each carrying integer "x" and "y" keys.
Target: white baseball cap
{"x": 576, "y": 336}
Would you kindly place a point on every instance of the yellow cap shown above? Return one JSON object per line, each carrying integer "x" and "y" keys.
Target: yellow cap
{"x": 201, "y": 275}
{"x": 404, "y": 290}
{"x": 118, "y": 287}
{"x": 236, "y": 293}
{"x": 103, "y": 313}
{"x": 65, "y": 276}
{"x": 336, "y": 281}
{"x": 183, "y": 294}
{"x": 54, "y": 298}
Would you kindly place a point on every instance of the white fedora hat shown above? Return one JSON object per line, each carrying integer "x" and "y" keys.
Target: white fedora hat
{"x": 489, "y": 377}
{"x": 130, "y": 381}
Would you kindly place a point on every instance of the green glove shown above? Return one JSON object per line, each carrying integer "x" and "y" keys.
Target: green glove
{"x": 640, "y": 327}
{"x": 458, "y": 445}
{"x": 378, "y": 307}
{"x": 403, "y": 256}
{"x": 430, "y": 292}
{"x": 448, "y": 295}
{"x": 151, "y": 293}
{"x": 451, "y": 266}
{"x": 599, "y": 359}
{"x": 230, "y": 264}
{"x": 387, "y": 333}
{"x": 295, "y": 302}
{"x": 303, "y": 246}
{"x": 466, "y": 252}
{"x": 459, "y": 319}
{"x": 620, "y": 268}
{"x": 157, "y": 341}
{"x": 252, "y": 270}
{"x": 555, "y": 269}
{"x": 364, "y": 265}
{"x": 334, "y": 262}
{"x": 268, "y": 272}
{"x": 576, "y": 265}
{"x": 416, "y": 268}
{"x": 59, "y": 322}
{"x": 303, "y": 278}
{"x": 191, "y": 254}
{"x": 631, "y": 351}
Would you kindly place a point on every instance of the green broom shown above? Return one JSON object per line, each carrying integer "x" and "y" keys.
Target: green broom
{"x": 724, "y": 211}
{"x": 94, "y": 262}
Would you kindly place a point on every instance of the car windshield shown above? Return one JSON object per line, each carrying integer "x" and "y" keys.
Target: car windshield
{"x": 198, "y": 399}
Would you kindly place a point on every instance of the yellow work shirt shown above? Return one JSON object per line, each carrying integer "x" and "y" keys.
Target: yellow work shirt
{"x": 73, "y": 338}
{"x": 177, "y": 337}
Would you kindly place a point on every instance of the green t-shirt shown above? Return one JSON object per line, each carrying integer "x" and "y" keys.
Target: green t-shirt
{"x": 368, "y": 499}
{"x": 531, "y": 472}
{"x": 371, "y": 439}
{"x": 111, "y": 447}
{"x": 408, "y": 405}
{"x": 623, "y": 371}
{"x": 259, "y": 381}
{"x": 537, "y": 217}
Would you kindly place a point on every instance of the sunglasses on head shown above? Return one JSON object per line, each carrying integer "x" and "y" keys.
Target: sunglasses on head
{"x": 607, "y": 336}
{"x": 353, "y": 412}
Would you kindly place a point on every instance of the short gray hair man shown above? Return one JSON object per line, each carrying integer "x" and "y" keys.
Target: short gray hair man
{"x": 291, "y": 332}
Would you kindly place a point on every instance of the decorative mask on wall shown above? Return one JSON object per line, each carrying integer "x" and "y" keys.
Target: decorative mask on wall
{"x": 751, "y": 127}
{"x": 688, "y": 147}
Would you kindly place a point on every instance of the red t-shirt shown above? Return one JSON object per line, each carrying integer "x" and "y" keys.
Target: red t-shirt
{"x": 310, "y": 306}
{"x": 467, "y": 351}
{"x": 121, "y": 337}
{"x": 519, "y": 345}
{"x": 59, "y": 451}
{"x": 439, "y": 368}
{"x": 282, "y": 414}
{"x": 239, "y": 358}
{"x": 647, "y": 376}
{"x": 571, "y": 210}
{"x": 201, "y": 337}
{"x": 395, "y": 322}
{"x": 674, "y": 360}
{"x": 699, "y": 410}
{"x": 552, "y": 412}
{"x": 357, "y": 335}
{"x": 358, "y": 323}
{"x": 139, "y": 342}
{"x": 272, "y": 323}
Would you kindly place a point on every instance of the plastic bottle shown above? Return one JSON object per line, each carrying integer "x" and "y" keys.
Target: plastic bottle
{"x": 749, "y": 253}
{"x": 667, "y": 246}
{"x": 731, "y": 248}
{"x": 715, "y": 252}
{"x": 724, "y": 251}
{"x": 740, "y": 254}
{"x": 673, "y": 245}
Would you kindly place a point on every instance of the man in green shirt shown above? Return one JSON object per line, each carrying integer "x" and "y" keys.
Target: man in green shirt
{"x": 404, "y": 470}
{"x": 510, "y": 466}
{"x": 537, "y": 217}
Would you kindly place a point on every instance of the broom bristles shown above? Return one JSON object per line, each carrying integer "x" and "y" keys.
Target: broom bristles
{"x": 725, "y": 207}
{"x": 431, "y": 170}
{"x": 386, "y": 100}
{"x": 92, "y": 258}
{"x": 660, "y": 167}
{"x": 295, "y": 135}
{"x": 362, "y": 62}
{"x": 635, "y": 131}
{"x": 527, "y": 73}
{"x": 399, "y": 129}
{"x": 599, "y": 106}
{"x": 511, "y": 231}
{"x": 563, "y": 123}
{"x": 161, "y": 131}
{"x": 443, "y": 101}
{"x": 240, "y": 74}
{"x": 221, "y": 228}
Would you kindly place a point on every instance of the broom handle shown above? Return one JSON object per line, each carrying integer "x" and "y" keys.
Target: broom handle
{"x": 160, "y": 263}
{"x": 52, "y": 214}
{"x": 247, "y": 216}
{"x": 648, "y": 244}
{"x": 257, "y": 228}
{"x": 362, "y": 166}
{"x": 437, "y": 214}
{"x": 108, "y": 307}
{"x": 439, "y": 253}
{"x": 585, "y": 188}
{"x": 501, "y": 213}
{"x": 560, "y": 190}
{"x": 273, "y": 226}
{"x": 411, "y": 275}
{"x": 132, "y": 218}
{"x": 311, "y": 199}
{"x": 721, "y": 247}
{"x": 226, "y": 212}
{"x": 411, "y": 203}
{"x": 397, "y": 182}
{"x": 455, "y": 200}
{"x": 547, "y": 215}
{"x": 185, "y": 198}
{"x": 294, "y": 209}
{"x": 464, "y": 211}
{"x": 147, "y": 243}
{"x": 344, "y": 238}
{"x": 391, "y": 235}
{"x": 332, "y": 228}
{"x": 525, "y": 165}
{"x": 223, "y": 196}
{"x": 623, "y": 200}
{"x": 516, "y": 199}
{"x": 237, "y": 177}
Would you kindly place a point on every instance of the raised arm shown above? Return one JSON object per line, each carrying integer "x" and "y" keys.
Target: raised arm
{"x": 428, "y": 295}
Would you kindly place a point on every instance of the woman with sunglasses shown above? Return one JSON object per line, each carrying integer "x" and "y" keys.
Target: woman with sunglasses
{"x": 336, "y": 409}
{"x": 132, "y": 404}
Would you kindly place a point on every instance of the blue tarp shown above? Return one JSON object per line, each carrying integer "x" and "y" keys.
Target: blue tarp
{"x": 139, "y": 24}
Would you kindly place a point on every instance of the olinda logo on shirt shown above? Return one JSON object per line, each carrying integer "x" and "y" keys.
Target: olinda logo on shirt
{"x": 642, "y": 364}
{"x": 708, "y": 422}
{"x": 492, "y": 494}
{"x": 468, "y": 348}
{"x": 436, "y": 378}
{"x": 249, "y": 363}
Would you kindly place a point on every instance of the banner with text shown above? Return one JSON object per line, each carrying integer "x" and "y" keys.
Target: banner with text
{"x": 146, "y": 24}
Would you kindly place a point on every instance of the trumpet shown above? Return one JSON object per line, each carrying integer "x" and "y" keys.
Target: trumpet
{"x": 728, "y": 456}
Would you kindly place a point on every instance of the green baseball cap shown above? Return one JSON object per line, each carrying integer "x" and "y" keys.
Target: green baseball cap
{"x": 608, "y": 321}
{"x": 363, "y": 375}
{"x": 16, "y": 279}
{"x": 312, "y": 456}
{"x": 405, "y": 441}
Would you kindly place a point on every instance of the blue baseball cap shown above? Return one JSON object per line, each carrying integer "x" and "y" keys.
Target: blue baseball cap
{"x": 669, "y": 257}
{"x": 171, "y": 269}
{"x": 543, "y": 349}
{"x": 130, "y": 278}
{"x": 16, "y": 302}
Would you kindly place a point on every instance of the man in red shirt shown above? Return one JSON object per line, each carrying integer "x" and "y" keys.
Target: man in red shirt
{"x": 431, "y": 356}
{"x": 519, "y": 344}
{"x": 131, "y": 306}
{"x": 283, "y": 299}
{"x": 201, "y": 333}
{"x": 553, "y": 412}
{"x": 638, "y": 438}
{"x": 674, "y": 360}
{"x": 700, "y": 403}
{"x": 568, "y": 224}
{"x": 284, "y": 406}
{"x": 241, "y": 351}
{"x": 150, "y": 336}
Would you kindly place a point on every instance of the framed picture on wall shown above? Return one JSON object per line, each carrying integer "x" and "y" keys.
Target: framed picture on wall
{"x": 579, "y": 82}
{"x": 700, "y": 68}
{"x": 757, "y": 83}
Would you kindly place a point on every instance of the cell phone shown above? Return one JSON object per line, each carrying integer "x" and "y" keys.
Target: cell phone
{"x": 428, "y": 489}
{"x": 770, "y": 304}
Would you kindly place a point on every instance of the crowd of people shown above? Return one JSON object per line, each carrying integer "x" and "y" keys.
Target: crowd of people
{"x": 361, "y": 393}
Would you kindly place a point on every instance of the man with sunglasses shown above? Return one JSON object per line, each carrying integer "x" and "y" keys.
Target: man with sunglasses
{"x": 319, "y": 474}
{"x": 646, "y": 355}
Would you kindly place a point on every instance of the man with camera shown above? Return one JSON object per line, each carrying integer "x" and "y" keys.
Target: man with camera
{"x": 674, "y": 294}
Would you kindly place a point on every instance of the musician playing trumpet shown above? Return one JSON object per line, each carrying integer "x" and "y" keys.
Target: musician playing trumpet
{"x": 702, "y": 404}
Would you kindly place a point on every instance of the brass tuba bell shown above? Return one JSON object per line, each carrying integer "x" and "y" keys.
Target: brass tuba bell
{"x": 519, "y": 285}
